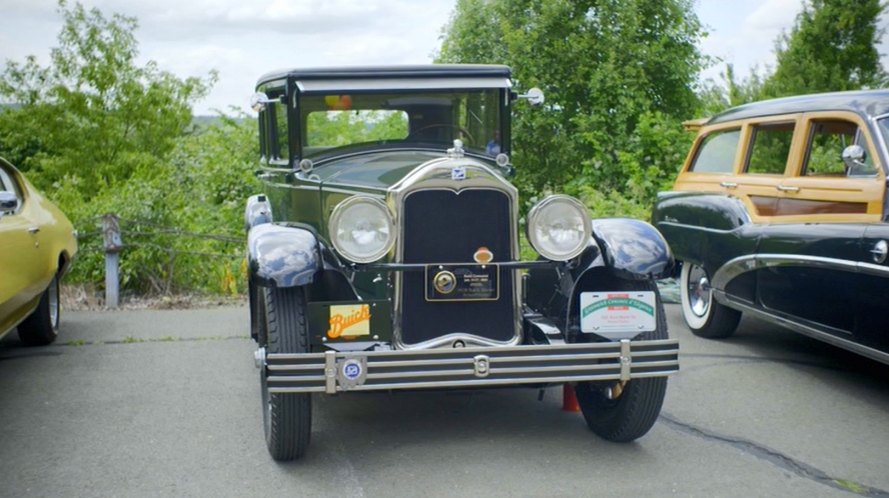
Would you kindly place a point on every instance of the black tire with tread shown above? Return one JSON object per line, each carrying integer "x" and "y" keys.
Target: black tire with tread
{"x": 635, "y": 411}
{"x": 41, "y": 327}
{"x": 287, "y": 418}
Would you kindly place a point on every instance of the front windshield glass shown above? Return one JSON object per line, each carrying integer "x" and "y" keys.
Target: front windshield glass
{"x": 883, "y": 124}
{"x": 433, "y": 119}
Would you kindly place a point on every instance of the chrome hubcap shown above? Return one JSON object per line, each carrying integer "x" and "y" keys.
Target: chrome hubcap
{"x": 698, "y": 291}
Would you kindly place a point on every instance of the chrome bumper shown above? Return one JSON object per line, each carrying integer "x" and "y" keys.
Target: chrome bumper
{"x": 332, "y": 372}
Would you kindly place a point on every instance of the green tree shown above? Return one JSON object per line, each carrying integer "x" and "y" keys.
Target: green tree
{"x": 100, "y": 133}
{"x": 606, "y": 67}
{"x": 93, "y": 115}
{"x": 831, "y": 47}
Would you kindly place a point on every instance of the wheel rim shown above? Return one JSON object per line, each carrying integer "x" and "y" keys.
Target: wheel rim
{"x": 53, "y": 296}
{"x": 698, "y": 289}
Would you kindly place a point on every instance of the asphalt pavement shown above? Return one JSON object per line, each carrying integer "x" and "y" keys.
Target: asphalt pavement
{"x": 166, "y": 403}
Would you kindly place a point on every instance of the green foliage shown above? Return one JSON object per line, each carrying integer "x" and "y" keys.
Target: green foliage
{"x": 199, "y": 189}
{"x": 335, "y": 128}
{"x": 733, "y": 91}
{"x": 93, "y": 115}
{"x": 100, "y": 134}
{"x": 831, "y": 47}
{"x": 610, "y": 71}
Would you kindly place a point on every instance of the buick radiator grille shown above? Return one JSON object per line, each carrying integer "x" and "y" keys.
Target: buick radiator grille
{"x": 442, "y": 226}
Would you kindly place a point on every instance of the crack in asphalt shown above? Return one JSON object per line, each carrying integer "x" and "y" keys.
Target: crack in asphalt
{"x": 18, "y": 351}
{"x": 776, "y": 458}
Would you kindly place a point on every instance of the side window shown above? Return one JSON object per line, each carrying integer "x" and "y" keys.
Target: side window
{"x": 769, "y": 149}
{"x": 263, "y": 134}
{"x": 716, "y": 154}
{"x": 7, "y": 184}
{"x": 825, "y": 149}
{"x": 279, "y": 142}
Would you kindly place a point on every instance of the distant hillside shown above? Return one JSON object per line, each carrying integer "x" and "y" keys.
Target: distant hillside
{"x": 205, "y": 121}
{"x": 199, "y": 122}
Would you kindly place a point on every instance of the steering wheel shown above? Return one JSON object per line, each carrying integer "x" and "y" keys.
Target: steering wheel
{"x": 459, "y": 129}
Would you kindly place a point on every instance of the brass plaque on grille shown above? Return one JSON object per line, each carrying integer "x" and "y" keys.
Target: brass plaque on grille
{"x": 462, "y": 282}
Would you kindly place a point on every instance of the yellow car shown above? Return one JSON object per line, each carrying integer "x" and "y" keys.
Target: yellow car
{"x": 37, "y": 243}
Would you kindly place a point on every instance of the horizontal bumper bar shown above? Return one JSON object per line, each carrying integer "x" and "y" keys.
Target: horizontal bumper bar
{"x": 507, "y": 265}
{"x": 332, "y": 372}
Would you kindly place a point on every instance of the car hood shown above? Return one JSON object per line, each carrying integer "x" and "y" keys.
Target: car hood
{"x": 373, "y": 170}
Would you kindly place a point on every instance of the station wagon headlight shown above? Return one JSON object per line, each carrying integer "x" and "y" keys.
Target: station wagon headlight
{"x": 361, "y": 229}
{"x": 559, "y": 227}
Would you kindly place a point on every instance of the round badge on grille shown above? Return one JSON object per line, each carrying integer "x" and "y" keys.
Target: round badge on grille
{"x": 483, "y": 255}
{"x": 352, "y": 369}
{"x": 445, "y": 282}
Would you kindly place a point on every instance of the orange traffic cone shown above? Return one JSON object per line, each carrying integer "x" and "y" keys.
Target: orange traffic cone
{"x": 569, "y": 399}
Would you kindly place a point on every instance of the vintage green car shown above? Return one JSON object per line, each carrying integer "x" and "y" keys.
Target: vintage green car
{"x": 37, "y": 244}
{"x": 384, "y": 256}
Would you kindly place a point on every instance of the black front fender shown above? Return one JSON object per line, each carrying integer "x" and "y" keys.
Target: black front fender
{"x": 633, "y": 249}
{"x": 282, "y": 256}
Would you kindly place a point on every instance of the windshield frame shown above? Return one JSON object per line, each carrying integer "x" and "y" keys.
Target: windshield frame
{"x": 299, "y": 116}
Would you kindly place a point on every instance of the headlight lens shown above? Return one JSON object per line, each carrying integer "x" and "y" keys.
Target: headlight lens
{"x": 559, "y": 227}
{"x": 361, "y": 229}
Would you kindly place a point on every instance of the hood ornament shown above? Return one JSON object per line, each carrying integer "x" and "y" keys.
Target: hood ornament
{"x": 457, "y": 151}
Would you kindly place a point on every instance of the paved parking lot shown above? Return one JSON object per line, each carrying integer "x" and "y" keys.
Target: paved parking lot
{"x": 166, "y": 403}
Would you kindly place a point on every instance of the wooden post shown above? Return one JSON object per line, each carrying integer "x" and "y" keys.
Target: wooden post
{"x": 113, "y": 245}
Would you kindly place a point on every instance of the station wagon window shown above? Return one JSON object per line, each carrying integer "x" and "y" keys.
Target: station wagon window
{"x": 824, "y": 155}
{"x": 716, "y": 153}
{"x": 769, "y": 149}
{"x": 425, "y": 119}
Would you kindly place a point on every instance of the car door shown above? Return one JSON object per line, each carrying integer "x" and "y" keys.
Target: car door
{"x": 814, "y": 243}
{"x": 20, "y": 264}
{"x": 767, "y": 159}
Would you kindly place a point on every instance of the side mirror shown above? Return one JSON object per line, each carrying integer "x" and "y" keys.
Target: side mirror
{"x": 8, "y": 201}
{"x": 854, "y": 157}
{"x": 534, "y": 96}
{"x": 259, "y": 101}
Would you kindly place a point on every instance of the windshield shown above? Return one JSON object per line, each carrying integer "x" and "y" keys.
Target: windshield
{"x": 883, "y": 124}
{"x": 431, "y": 119}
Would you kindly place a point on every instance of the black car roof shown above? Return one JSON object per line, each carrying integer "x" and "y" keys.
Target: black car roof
{"x": 867, "y": 103}
{"x": 377, "y": 72}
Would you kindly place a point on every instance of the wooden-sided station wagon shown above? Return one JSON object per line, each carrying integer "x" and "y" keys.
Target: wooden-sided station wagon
{"x": 781, "y": 212}
{"x": 384, "y": 256}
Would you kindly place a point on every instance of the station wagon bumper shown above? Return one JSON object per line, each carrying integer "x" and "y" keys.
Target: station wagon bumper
{"x": 332, "y": 372}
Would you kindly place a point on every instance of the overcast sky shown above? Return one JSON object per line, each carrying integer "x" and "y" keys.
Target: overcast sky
{"x": 244, "y": 39}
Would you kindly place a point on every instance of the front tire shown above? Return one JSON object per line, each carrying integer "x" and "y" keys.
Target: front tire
{"x": 287, "y": 418}
{"x": 631, "y": 414}
{"x": 41, "y": 327}
{"x": 703, "y": 314}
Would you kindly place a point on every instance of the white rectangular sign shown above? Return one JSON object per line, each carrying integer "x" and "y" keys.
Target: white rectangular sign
{"x": 618, "y": 314}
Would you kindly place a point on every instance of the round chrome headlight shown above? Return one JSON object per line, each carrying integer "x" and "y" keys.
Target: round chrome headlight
{"x": 559, "y": 227}
{"x": 361, "y": 229}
